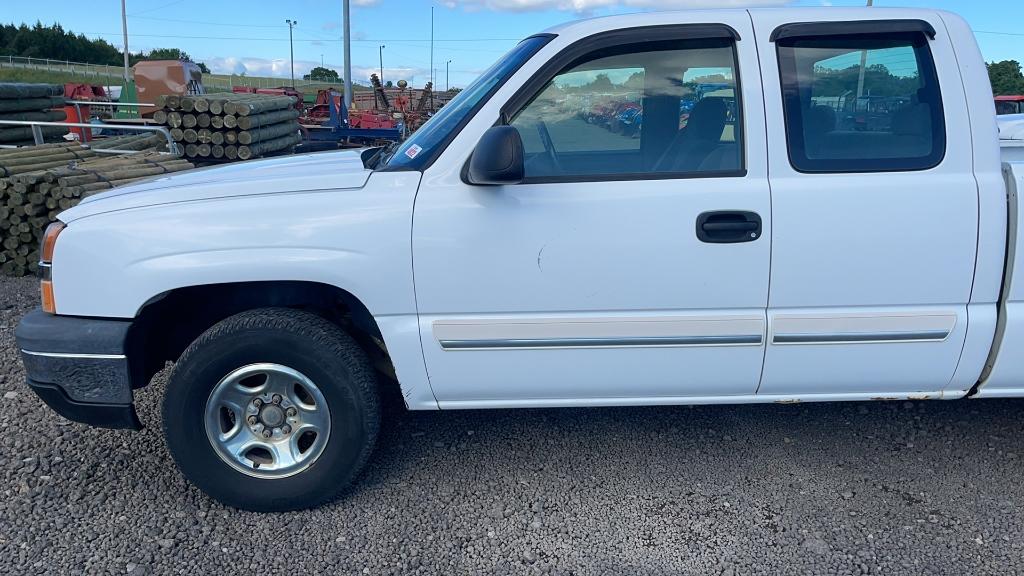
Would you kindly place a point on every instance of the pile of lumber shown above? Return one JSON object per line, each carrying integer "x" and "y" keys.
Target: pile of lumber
{"x": 146, "y": 142}
{"x": 31, "y": 102}
{"x": 32, "y": 195}
{"x": 230, "y": 126}
{"x": 34, "y": 158}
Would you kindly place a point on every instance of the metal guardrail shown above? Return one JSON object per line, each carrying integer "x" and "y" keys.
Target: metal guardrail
{"x": 37, "y": 133}
{"x": 103, "y": 104}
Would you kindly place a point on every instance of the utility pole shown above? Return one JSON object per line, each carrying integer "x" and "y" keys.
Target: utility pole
{"x": 447, "y": 87}
{"x": 124, "y": 30}
{"x": 291, "y": 46}
{"x": 348, "y": 54}
{"x": 382, "y": 47}
{"x": 863, "y": 64}
{"x": 432, "y": 86}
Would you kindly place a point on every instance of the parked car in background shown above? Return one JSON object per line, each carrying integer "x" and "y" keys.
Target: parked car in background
{"x": 1009, "y": 105}
{"x": 513, "y": 254}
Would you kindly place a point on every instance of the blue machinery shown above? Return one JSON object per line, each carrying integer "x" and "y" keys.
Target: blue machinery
{"x": 337, "y": 129}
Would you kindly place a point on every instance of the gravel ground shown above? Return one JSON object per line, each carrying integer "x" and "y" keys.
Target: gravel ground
{"x": 880, "y": 488}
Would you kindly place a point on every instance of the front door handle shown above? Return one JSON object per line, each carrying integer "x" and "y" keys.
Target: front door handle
{"x": 728, "y": 227}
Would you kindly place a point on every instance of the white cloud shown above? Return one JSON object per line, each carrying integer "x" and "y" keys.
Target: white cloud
{"x": 583, "y": 6}
{"x": 280, "y": 68}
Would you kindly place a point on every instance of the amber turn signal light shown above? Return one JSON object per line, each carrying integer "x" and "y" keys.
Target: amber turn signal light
{"x": 46, "y": 290}
{"x": 50, "y": 241}
{"x": 45, "y": 268}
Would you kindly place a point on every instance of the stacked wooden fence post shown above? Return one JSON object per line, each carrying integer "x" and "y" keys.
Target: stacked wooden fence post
{"x": 31, "y": 102}
{"x": 39, "y": 182}
{"x": 228, "y": 126}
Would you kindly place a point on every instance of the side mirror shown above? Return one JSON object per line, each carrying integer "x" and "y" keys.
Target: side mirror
{"x": 498, "y": 158}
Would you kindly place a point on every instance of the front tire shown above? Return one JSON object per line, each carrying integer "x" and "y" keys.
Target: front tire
{"x": 272, "y": 410}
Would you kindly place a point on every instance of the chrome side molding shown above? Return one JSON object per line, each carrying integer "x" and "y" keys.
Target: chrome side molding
{"x": 862, "y": 337}
{"x": 630, "y": 342}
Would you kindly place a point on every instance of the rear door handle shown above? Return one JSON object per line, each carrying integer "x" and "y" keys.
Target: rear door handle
{"x": 728, "y": 227}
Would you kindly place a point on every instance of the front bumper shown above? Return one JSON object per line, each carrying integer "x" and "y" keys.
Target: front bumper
{"x": 79, "y": 367}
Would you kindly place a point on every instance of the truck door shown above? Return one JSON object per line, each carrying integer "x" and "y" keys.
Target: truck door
{"x": 631, "y": 266}
{"x": 874, "y": 206}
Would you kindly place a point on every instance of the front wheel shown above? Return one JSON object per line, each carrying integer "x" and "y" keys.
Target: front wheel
{"x": 272, "y": 410}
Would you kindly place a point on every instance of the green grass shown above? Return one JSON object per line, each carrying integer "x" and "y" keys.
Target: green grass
{"x": 44, "y": 77}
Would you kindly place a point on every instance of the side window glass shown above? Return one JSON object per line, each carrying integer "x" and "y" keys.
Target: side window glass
{"x": 861, "y": 103}
{"x": 654, "y": 109}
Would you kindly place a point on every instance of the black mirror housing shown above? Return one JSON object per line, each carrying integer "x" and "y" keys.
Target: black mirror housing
{"x": 498, "y": 158}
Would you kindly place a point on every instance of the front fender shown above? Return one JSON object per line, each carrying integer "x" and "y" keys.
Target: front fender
{"x": 110, "y": 265}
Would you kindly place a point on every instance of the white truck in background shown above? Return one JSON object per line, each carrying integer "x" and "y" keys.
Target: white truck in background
{"x": 698, "y": 207}
{"x": 1011, "y": 137}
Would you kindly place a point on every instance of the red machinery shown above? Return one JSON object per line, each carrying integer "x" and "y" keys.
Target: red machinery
{"x": 82, "y": 112}
{"x": 320, "y": 112}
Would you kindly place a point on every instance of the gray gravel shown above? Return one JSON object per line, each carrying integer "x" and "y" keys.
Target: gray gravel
{"x": 880, "y": 488}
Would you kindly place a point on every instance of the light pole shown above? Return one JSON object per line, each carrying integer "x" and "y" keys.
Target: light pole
{"x": 446, "y": 86}
{"x": 432, "y": 87}
{"x": 381, "y": 54}
{"x": 291, "y": 46}
{"x": 863, "y": 64}
{"x": 348, "y": 54}
{"x": 124, "y": 30}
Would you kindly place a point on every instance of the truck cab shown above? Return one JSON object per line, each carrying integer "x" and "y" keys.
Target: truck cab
{"x": 811, "y": 208}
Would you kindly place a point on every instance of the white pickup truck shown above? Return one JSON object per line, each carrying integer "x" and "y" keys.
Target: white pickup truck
{"x": 698, "y": 207}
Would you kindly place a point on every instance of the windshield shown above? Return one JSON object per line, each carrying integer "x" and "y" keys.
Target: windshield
{"x": 427, "y": 142}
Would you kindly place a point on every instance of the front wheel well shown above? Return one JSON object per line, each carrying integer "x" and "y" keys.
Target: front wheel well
{"x": 168, "y": 323}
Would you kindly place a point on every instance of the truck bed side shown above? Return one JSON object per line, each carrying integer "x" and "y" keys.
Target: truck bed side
{"x": 1004, "y": 372}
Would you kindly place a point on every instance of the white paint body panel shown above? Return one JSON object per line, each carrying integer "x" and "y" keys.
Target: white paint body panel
{"x": 121, "y": 250}
{"x": 1006, "y": 373}
{"x": 436, "y": 260}
{"x": 894, "y": 248}
{"x": 592, "y": 253}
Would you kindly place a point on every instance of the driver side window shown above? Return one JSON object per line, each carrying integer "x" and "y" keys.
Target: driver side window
{"x": 647, "y": 110}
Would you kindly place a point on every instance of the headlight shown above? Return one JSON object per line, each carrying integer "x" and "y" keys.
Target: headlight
{"x": 46, "y": 266}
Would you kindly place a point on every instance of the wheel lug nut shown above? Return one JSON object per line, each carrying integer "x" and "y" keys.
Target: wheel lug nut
{"x": 252, "y": 420}
{"x": 277, "y": 399}
{"x": 286, "y": 429}
{"x": 267, "y": 433}
{"x": 291, "y": 412}
{"x": 257, "y": 402}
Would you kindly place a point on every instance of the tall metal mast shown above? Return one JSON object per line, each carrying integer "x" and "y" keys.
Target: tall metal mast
{"x": 348, "y": 55}
{"x": 124, "y": 30}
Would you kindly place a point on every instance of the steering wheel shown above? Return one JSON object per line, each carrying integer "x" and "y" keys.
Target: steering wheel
{"x": 549, "y": 146}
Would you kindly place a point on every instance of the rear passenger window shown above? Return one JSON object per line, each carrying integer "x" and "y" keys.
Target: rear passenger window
{"x": 646, "y": 110}
{"x": 861, "y": 103}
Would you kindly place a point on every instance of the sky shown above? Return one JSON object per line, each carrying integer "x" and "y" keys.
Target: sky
{"x": 251, "y": 36}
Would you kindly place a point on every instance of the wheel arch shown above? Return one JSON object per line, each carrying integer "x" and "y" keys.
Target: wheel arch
{"x": 167, "y": 323}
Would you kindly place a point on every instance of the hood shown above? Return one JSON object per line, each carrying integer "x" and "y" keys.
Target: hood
{"x": 319, "y": 171}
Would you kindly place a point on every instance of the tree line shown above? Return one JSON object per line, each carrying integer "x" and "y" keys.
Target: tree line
{"x": 56, "y": 43}
{"x": 1006, "y": 77}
